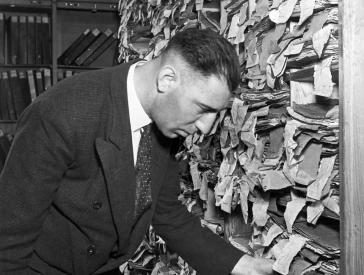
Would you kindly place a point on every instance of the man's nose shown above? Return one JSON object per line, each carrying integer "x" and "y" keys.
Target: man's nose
{"x": 204, "y": 123}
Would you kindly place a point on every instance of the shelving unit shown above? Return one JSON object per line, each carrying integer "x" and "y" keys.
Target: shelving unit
{"x": 67, "y": 20}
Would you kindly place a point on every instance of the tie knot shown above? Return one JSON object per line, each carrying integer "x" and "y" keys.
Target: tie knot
{"x": 146, "y": 129}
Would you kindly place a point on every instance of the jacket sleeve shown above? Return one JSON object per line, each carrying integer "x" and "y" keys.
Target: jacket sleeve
{"x": 205, "y": 251}
{"x": 29, "y": 180}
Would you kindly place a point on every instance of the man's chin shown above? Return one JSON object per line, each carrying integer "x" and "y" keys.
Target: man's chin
{"x": 170, "y": 134}
{"x": 177, "y": 133}
{"x": 181, "y": 133}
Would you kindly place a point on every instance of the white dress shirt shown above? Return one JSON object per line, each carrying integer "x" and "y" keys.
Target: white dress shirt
{"x": 138, "y": 117}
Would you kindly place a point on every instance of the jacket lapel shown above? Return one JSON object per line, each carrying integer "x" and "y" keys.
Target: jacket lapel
{"x": 116, "y": 155}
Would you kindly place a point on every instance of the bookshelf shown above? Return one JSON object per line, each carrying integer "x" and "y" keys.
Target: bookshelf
{"x": 63, "y": 21}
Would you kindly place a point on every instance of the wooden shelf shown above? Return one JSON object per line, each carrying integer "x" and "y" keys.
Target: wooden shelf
{"x": 8, "y": 5}
{"x": 68, "y": 19}
{"x": 88, "y": 5}
{"x": 81, "y": 68}
{"x": 25, "y": 66}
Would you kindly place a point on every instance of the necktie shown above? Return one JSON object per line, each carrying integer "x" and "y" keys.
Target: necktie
{"x": 143, "y": 172}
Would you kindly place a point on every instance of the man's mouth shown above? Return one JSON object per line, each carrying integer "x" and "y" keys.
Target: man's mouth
{"x": 182, "y": 133}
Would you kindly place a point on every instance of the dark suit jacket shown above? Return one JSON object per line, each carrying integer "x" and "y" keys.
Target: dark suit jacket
{"x": 67, "y": 191}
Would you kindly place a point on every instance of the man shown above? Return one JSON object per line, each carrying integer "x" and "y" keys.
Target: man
{"x": 74, "y": 199}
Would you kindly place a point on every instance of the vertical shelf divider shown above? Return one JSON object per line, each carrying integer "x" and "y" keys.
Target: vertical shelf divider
{"x": 352, "y": 132}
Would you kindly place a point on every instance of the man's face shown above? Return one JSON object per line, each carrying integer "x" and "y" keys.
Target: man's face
{"x": 191, "y": 105}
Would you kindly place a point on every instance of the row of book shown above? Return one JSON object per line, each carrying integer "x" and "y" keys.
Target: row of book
{"x": 18, "y": 88}
{"x": 87, "y": 47}
{"x": 25, "y": 39}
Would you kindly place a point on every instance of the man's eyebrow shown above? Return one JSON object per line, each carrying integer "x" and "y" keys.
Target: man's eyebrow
{"x": 208, "y": 108}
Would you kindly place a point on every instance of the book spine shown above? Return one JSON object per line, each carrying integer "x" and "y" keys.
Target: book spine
{"x": 68, "y": 73}
{"x": 81, "y": 46}
{"x": 46, "y": 41}
{"x": 39, "y": 82}
{"x": 31, "y": 83}
{"x": 2, "y": 38}
{"x": 60, "y": 75}
{"x": 47, "y": 78}
{"x": 74, "y": 44}
{"x": 93, "y": 47}
{"x": 4, "y": 85}
{"x": 23, "y": 47}
{"x": 23, "y": 81}
{"x": 31, "y": 43}
{"x": 13, "y": 39}
{"x": 17, "y": 94}
{"x": 38, "y": 40}
{"x": 9, "y": 97}
{"x": 110, "y": 41}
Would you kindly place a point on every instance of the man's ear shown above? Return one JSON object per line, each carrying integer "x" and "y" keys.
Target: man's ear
{"x": 167, "y": 79}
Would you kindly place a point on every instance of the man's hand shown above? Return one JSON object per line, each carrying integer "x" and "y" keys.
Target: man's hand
{"x": 248, "y": 265}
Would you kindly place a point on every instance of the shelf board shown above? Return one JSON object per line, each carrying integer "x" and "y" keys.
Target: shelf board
{"x": 70, "y": 67}
{"x": 25, "y": 66}
{"x": 35, "y": 4}
{"x": 89, "y": 5}
{"x": 3, "y": 121}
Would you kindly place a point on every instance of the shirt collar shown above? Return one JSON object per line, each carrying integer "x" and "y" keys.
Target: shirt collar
{"x": 138, "y": 117}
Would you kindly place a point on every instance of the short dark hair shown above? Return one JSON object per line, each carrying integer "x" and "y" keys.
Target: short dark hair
{"x": 208, "y": 53}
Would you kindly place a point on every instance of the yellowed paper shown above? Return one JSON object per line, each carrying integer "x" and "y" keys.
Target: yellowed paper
{"x": 243, "y": 13}
{"x": 238, "y": 113}
{"x": 240, "y": 36}
{"x": 283, "y": 13}
{"x": 290, "y": 250}
{"x": 274, "y": 180}
{"x": 223, "y": 15}
{"x": 260, "y": 207}
{"x": 203, "y": 193}
{"x": 332, "y": 203}
{"x": 199, "y": 4}
{"x": 226, "y": 200}
{"x": 289, "y": 143}
{"x": 233, "y": 30}
{"x": 244, "y": 193}
{"x": 276, "y": 4}
{"x": 224, "y": 131}
{"x": 293, "y": 49}
{"x": 293, "y": 208}
{"x": 273, "y": 232}
{"x": 279, "y": 65}
{"x": 314, "y": 212}
{"x": 253, "y": 56}
{"x": 220, "y": 189}
{"x": 277, "y": 249}
{"x": 261, "y": 9}
{"x": 320, "y": 39}
{"x": 314, "y": 190}
{"x": 306, "y": 7}
{"x": 195, "y": 174}
{"x": 228, "y": 164}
